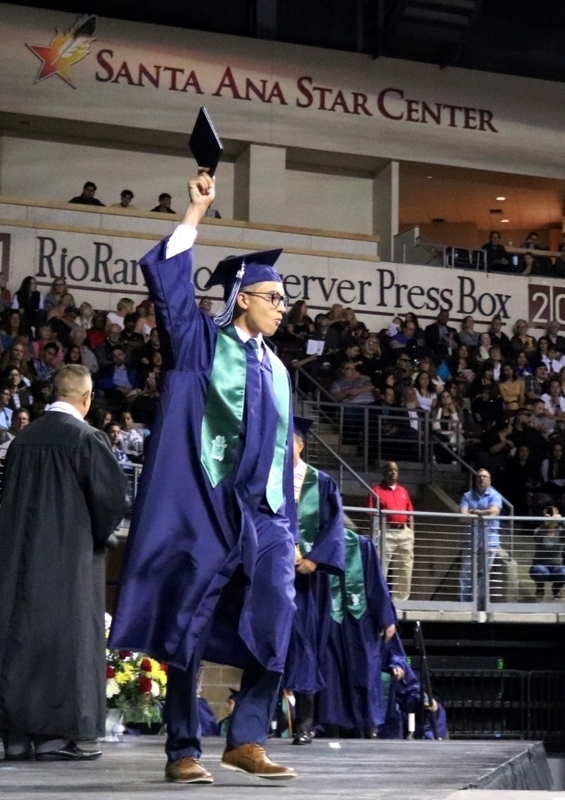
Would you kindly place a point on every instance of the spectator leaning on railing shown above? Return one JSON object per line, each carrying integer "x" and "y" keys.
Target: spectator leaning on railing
{"x": 483, "y": 503}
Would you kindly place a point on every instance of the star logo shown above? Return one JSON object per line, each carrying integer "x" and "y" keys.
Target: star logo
{"x": 65, "y": 50}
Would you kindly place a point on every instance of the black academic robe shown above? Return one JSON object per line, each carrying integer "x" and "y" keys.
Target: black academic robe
{"x": 64, "y": 494}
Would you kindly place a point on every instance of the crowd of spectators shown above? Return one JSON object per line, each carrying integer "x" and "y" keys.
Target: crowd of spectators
{"x": 532, "y": 262}
{"x": 87, "y": 198}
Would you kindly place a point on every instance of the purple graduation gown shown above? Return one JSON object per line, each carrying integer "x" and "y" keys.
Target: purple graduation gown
{"x": 353, "y": 696}
{"x": 188, "y": 540}
{"x": 311, "y": 625}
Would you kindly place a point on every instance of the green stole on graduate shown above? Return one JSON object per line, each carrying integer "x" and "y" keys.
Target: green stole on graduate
{"x": 223, "y": 414}
{"x": 309, "y": 510}
{"x": 354, "y": 581}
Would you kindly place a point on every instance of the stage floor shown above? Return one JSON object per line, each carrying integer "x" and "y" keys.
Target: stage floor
{"x": 360, "y": 769}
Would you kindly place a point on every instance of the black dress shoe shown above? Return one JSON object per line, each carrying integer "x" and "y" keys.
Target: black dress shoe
{"x": 302, "y": 737}
{"x": 17, "y": 756}
{"x": 70, "y": 752}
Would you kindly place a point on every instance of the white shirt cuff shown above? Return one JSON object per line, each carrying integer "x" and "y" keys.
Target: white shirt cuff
{"x": 182, "y": 239}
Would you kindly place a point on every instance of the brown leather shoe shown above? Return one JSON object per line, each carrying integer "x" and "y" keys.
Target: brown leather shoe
{"x": 187, "y": 770}
{"x": 253, "y": 759}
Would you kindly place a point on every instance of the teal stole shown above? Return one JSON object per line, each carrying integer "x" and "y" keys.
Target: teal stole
{"x": 223, "y": 414}
{"x": 349, "y": 592}
{"x": 309, "y": 510}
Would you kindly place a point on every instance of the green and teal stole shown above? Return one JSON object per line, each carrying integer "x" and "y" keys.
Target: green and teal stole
{"x": 223, "y": 414}
{"x": 348, "y": 591}
{"x": 309, "y": 510}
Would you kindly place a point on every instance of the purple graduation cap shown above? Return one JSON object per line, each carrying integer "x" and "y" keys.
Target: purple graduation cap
{"x": 301, "y": 426}
{"x": 236, "y": 272}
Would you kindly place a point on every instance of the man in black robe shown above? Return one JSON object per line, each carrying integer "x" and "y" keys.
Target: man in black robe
{"x": 64, "y": 494}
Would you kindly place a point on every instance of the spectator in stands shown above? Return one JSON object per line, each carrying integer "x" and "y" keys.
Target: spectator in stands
{"x": 126, "y": 197}
{"x": 298, "y": 323}
{"x": 425, "y": 392}
{"x": 426, "y": 364}
{"x": 461, "y": 365}
{"x": 20, "y": 395}
{"x": 18, "y": 356}
{"x": 143, "y": 404}
{"x": 468, "y": 335}
{"x": 555, "y": 337}
{"x": 418, "y": 331}
{"x": 350, "y": 353}
{"x": 483, "y": 348}
{"x": 13, "y": 326}
{"x": 100, "y": 417}
{"x": 96, "y": 335}
{"x": 62, "y": 319}
{"x": 532, "y": 265}
{"x": 352, "y": 327}
{"x": 521, "y": 339}
{"x": 404, "y": 338}
{"x": 498, "y": 259}
{"x": 485, "y": 377}
{"x": 335, "y": 329}
{"x": 20, "y": 420}
{"x": 354, "y": 390}
{"x": 539, "y": 419}
{"x": 114, "y": 432}
{"x": 115, "y": 381}
{"x": 151, "y": 347}
{"x": 164, "y": 206}
{"x": 77, "y": 339}
{"x": 495, "y": 355}
{"x": 5, "y": 294}
{"x": 512, "y": 388}
{"x": 212, "y": 213}
{"x": 85, "y": 315}
{"x": 104, "y": 351}
{"x": 555, "y": 360}
{"x": 495, "y": 446}
{"x": 124, "y": 306}
{"x": 522, "y": 366}
{"x": 205, "y": 304}
{"x": 439, "y": 337}
{"x": 398, "y": 558}
{"x": 53, "y": 296}
{"x": 447, "y": 426}
{"x": 521, "y": 476}
{"x": 146, "y": 320}
{"x": 5, "y": 410}
{"x": 29, "y": 302}
{"x": 538, "y": 383}
{"x": 487, "y": 407}
{"x": 553, "y": 400}
{"x": 553, "y": 469}
{"x": 497, "y": 336}
{"x": 403, "y": 373}
{"x": 73, "y": 355}
{"x": 547, "y": 565}
{"x": 45, "y": 367}
{"x": 131, "y": 439}
{"x": 44, "y": 335}
{"x": 87, "y": 197}
{"x": 483, "y": 503}
{"x": 131, "y": 341}
{"x": 524, "y": 433}
{"x": 370, "y": 360}
{"x": 41, "y": 392}
{"x": 542, "y": 353}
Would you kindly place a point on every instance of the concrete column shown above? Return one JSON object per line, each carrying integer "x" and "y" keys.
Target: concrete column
{"x": 385, "y": 208}
{"x": 259, "y": 184}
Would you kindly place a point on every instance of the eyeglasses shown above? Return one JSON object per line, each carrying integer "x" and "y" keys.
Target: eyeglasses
{"x": 274, "y": 298}
{"x": 88, "y": 394}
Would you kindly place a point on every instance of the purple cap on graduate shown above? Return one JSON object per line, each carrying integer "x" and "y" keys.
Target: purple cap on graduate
{"x": 236, "y": 272}
{"x": 302, "y": 425}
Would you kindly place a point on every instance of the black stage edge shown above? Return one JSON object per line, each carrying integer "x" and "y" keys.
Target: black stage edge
{"x": 364, "y": 769}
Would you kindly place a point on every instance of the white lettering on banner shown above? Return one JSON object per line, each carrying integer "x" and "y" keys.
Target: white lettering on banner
{"x": 99, "y": 267}
{"x": 546, "y": 303}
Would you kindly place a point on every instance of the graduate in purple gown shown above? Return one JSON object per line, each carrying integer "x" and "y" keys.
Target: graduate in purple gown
{"x": 363, "y": 620}
{"x": 209, "y": 564}
{"x": 321, "y": 552}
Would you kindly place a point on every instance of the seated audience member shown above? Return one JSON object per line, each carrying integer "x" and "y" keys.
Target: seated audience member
{"x": 126, "y": 197}
{"x": 96, "y": 334}
{"x": 298, "y": 323}
{"x": 461, "y": 366}
{"x": 77, "y": 339}
{"x": 57, "y": 290}
{"x": 403, "y": 371}
{"x": 495, "y": 355}
{"x": 131, "y": 439}
{"x": 143, "y": 404}
{"x": 439, "y": 337}
{"x": 555, "y": 337}
{"x": 521, "y": 476}
{"x": 352, "y": 327}
{"x": 355, "y": 390}
{"x": 400, "y": 430}
{"x": 146, "y": 320}
{"x": 541, "y": 356}
{"x": 427, "y": 365}
{"x": 553, "y": 400}
{"x": 205, "y": 304}
{"x": 521, "y": 339}
{"x": 405, "y": 337}
{"x": 468, "y": 335}
{"x": 495, "y": 446}
{"x": 483, "y": 348}
{"x": 152, "y": 346}
{"x": 487, "y": 407}
{"x": 349, "y": 353}
{"x": 524, "y": 433}
{"x": 425, "y": 392}
{"x": 73, "y": 355}
{"x": 87, "y": 197}
{"x": 29, "y": 302}
{"x": 498, "y": 337}
{"x": 85, "y": 316}
{"x": 547, "y": 564}
{"x": 485, "y": 377}
{"x": 124, "y": 306}
{"x": 335, "y": 332}
{"x": 5, "y": 294}
{"x": 512, "y": 388}
{"x": 370, "y": 361}
{"x": 62, "y": 319}
{"x": 447, "y": 425}
{"x": 100, "y": 417}
{"x": 498, "y": 259}
{"x": 20, "y": 395}
{"x": 41, "y": 392}
{"x": 539, "y": 419}
{"x": 20, "y": 418}
{"x": 45, "y": 367}
{"x": 533, "y": 266}
{"x": 522, "y": 367}
{"x": 114, "y": 434}
{"x": 104, "y": 351}
{"x": 132, "y": 342}
{"x": 553, "y": 468}
{"x": 5, "y": 410}
{"x": 44, "y": 336}
{"x": 18, "y": 356}
{"x": 164, "y": 206}
{"x": 212, "y": 213}
{"x": 556, "y": 360}
{"x": 116, "y": 380}
{"x": 13, "y": 326}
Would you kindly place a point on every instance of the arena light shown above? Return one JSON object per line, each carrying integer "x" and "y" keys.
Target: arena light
{"x": 505, "y": 220}
{"x": 501, "y": 198}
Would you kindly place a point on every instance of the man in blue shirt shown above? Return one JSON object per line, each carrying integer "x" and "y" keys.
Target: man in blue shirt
{"x": 484, "y": 504}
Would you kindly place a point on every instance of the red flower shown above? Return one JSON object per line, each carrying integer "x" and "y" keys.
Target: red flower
{"x": 145, "y": 665}
{"x": 124, "y": 653}
{"x": 145, "y": 684}
{"x": 110, "y": 671}
{"x": 165, "y": 668}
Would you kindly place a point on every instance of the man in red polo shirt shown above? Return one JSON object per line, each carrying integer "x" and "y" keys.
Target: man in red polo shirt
{"x": 399, "y": 540}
